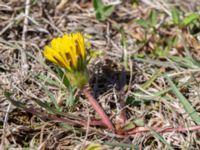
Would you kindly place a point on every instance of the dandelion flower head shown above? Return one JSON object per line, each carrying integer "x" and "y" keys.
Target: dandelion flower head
{"x": 67, "y": 51}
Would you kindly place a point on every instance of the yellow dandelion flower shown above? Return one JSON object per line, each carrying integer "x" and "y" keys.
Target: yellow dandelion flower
{"x": 69, "y": 52}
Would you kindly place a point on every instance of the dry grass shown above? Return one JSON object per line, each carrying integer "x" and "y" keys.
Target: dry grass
{"x": 25, "y": 29}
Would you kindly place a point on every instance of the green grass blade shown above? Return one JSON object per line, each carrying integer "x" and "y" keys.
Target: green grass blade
{"x": 152, "y": 79}
{"x": 45, "y": 78}
{"x": 45, "y": 105}
{"x": 52, "y": 98}
{"x": 175, "y": 16}
{"x": 158, "y": 136}
{"x": 190, "y": 18}
{"x": 71, "y": 98}
{"x": 121, "y": 145}
{"x": 18, "y": 104}
{"x": 187, "y": 106}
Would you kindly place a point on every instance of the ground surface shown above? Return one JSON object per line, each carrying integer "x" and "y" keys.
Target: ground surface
{"x": 134, "y": 50}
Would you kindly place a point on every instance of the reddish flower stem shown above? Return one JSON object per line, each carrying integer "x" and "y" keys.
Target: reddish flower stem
{"x": 78, "y": 121}
{"x": 98, "y": 109}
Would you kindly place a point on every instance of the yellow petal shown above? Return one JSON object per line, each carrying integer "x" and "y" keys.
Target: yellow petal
{"x": 47, "y": 53}
{"x": 78, "y": 37}
{"x": 68, "y": 48}
{"x": 56, "y": 43}
{"x": 56, "y": 57}
{"x": 73, "y": 53}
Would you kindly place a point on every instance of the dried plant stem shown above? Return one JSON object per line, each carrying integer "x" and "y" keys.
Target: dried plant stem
{"x": 4, "y": 127}
{"x": 25, "y": 27}
{"x": 98, "y": 108}
{"x": 145, "y": 129}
